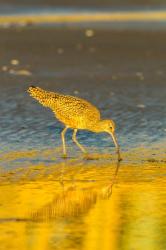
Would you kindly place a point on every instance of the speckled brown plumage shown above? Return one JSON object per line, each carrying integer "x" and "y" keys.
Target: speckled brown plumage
{"x": 75, "y": 113}
{"x": 72, "y": 111}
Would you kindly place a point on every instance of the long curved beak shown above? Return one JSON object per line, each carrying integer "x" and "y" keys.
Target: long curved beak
{"x": 116, "y": 144}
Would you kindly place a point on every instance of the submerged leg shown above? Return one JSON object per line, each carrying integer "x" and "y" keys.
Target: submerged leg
{"x": 63, "y": 141}
{"x": 76, "y": 142}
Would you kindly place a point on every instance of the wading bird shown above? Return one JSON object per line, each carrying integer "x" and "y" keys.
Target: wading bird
{"x": 75, "y": 113}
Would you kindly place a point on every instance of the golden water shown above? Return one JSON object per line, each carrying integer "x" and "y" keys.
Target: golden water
{"x": 82, "y": 204}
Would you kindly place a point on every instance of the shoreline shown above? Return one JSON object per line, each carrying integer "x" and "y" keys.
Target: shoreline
{"x": 84, "y": 16}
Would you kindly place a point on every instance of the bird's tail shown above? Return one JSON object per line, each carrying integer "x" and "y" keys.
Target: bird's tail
{"x": 46, "y": 98}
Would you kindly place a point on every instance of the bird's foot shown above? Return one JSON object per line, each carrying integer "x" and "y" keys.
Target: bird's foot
{"x": 64, "y": 156}
{"x": 87, "y": 156}
{"x": 92, "y": 157}
{"x": 120, "y": 159}
{"x": 119, "y": 156}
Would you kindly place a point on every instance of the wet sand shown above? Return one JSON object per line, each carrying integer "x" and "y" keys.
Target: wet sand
{"x": 51, "y": 203}
{"x": 118, "y": 55}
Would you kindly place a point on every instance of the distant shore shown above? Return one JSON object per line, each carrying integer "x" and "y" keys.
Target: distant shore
{"x": 89, "y": 3}
{"x": 85, "y": 16}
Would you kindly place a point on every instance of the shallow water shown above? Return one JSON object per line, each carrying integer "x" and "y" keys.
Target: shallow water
{"x": 49, "y": 203}
{"x": 138, "y": 108}
{"x": 85, "y": 205}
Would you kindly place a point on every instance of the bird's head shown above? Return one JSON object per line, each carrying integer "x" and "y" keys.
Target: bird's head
{"x": 107, "y": 126}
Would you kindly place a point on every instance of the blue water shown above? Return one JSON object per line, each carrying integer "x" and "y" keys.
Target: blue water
{"x": 125, "y": 80}
{"x": 139, "y": 111}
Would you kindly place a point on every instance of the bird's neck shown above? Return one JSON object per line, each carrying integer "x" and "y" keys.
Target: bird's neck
{"x": 97, "y": 127}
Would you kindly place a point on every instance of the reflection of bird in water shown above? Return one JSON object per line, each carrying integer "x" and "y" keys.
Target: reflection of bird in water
{"x": 73, "y": 201}
{"x": 107, "y": 190}
{"x": 75, "y": 113}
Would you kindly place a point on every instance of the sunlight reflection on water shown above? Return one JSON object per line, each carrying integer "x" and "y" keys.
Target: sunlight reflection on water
{"x": 65, "y": 208}
{"x": 115, "y": 18}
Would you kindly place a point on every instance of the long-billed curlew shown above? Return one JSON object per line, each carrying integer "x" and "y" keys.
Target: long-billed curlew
{"x": 74, "y": 113}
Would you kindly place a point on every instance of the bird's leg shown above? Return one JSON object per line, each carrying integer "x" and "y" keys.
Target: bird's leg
{"x": 63, "y": 141}
{"x": 116, "y": 145}
{"x": 76, "y": 142}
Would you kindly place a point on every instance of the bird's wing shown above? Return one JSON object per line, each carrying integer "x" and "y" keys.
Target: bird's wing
{"x": 72, "y": 111}
{"x": 75, "y": 111}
